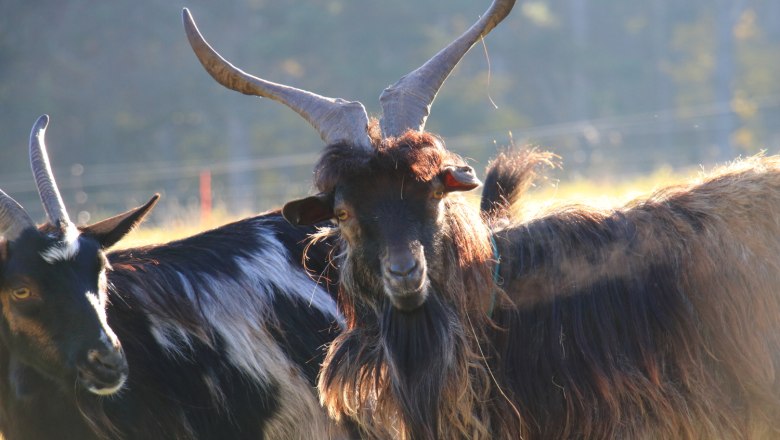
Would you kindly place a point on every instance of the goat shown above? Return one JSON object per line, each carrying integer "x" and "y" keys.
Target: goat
{"x": 219, "y": 335}
{"x": 659, "y": 319}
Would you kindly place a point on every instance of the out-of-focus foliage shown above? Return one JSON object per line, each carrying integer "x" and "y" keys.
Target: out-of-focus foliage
{"x": 614, "y": 87}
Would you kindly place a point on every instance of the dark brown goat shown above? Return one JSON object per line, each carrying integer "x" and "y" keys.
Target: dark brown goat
{"x": 660, "y": 319}
{"x": 657, "y": 320}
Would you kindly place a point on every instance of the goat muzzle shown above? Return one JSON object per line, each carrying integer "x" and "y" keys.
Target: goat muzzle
{"x": 405, "y": 278}
{"x": 103, "y": 371}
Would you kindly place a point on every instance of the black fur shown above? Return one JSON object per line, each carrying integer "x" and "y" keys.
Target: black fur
{"x": 171, "y": 393}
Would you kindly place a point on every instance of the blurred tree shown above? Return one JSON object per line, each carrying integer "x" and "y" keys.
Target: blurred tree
{"x": 614, "y": 87}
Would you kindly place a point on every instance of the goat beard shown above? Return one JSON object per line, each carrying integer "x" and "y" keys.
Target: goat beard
{"x": 91, "y": 409}
{"x": 417, "y": 344}
{"x": 407, "y": 373}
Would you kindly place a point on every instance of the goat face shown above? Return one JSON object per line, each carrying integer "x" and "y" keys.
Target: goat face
{"x": 53, "y": 303}
{"x": 390, "y": 225}
{"x": 390, "y": 211}
{"x": 53, "y": 300}
{"x": 53, "y": 286}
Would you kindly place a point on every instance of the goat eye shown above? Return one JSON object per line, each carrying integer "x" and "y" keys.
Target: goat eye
{"x": 342, "y": 214}
{"x": 438, "y": 194}
{"x": 21, "y": 293}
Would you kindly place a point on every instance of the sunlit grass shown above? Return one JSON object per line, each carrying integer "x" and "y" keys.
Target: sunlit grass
{"x": 599, "y": 193}
{"x": 548, "y": 193}
{"x": 174, "y": 229}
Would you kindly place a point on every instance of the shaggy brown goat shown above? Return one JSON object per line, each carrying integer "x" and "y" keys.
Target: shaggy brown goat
{"x": 658, "y": 320}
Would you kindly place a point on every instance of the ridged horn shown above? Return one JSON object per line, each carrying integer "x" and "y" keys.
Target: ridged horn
{"x": 13, "y": 218}
{"x": 407, "y": 103}
{"x": 44, "y": 178}
{"x": 336, "y": 120}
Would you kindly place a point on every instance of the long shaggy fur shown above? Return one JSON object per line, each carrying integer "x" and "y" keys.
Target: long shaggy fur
{"x": 509, "y": 176}
{"x": 391, "y": 371}
{"x": 660, "y": 319}
{"x": 657, "y": 320}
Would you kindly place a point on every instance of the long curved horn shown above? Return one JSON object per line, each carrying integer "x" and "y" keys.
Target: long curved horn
{"x": 13, "y": 218}
{"x": 406, "y": 104}
{"x": 337, "y": 120}
{"x": 44, "y": 178}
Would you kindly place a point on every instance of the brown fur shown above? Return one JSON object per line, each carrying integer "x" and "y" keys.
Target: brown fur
{"x": 509, "y": 176}
{"x": 657, "y": 320}
{"x": 30, "y": 329}
{"x": 420, "y": 153}
{"x": 356, "y": 381}
{"x": 360, "y": 387}
{"x": 707, "y": 367}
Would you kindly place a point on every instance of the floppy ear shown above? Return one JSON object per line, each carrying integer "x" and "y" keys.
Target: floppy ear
{"x": 459, "y": 178}
{"x": 308, "y": 211}
{"x": 109, "y": 231}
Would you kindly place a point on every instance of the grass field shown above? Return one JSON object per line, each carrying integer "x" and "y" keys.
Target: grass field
{"x": 548, "y": 193}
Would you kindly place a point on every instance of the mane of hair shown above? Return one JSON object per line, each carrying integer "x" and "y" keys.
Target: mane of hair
{"x": 422, "y": 154}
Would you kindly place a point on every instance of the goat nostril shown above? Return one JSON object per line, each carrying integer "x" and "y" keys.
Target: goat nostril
{"x": 106, "y": 360}
{"x": 93, "y": 356}
{"x": 403, "y": 268}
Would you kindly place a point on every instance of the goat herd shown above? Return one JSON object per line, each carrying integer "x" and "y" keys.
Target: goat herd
{"x": 385, "y": 306}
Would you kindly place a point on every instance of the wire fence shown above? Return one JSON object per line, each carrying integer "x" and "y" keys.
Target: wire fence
{"x": 616, "y": 147}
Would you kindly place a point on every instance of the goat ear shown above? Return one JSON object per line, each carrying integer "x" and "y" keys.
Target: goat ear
{"x": 309, "y": 211}
{"x": 459, "y": 178}
{"x": 109, "y": 231}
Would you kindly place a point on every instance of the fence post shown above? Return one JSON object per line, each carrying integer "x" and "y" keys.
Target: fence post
{"x": 205, "y": 197}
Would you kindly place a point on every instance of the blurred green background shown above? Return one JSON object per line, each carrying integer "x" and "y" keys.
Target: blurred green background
{"x": 617, "y": 88}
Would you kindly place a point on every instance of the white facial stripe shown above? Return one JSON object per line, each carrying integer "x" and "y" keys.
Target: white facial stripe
{"x": 107, "y": 335}
{"x": 100, "y": 309}
{"x": 64, "y": 250}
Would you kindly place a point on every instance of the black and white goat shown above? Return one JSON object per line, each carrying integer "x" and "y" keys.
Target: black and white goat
{"x": 219, "y": 335}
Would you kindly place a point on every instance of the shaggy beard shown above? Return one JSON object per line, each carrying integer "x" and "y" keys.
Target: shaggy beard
{"x": 419, "y": 375}
{"x": 94, "y": 414}
{"x": 393, "y": 376}
{"x": 417, "y": 344}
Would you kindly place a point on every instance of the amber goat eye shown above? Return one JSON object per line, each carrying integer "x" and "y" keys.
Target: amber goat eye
{"x": 342, "y": 214}
{"x": 21, "y": 293}
{"x": 438, "y": 194}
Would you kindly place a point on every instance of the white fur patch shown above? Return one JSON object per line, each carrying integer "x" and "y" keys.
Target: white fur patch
{"x": 265, "y": 267}
{"x": 64, "y": 250}
{"x": 238, "y": 309}
{"x": 170, "y": 336}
